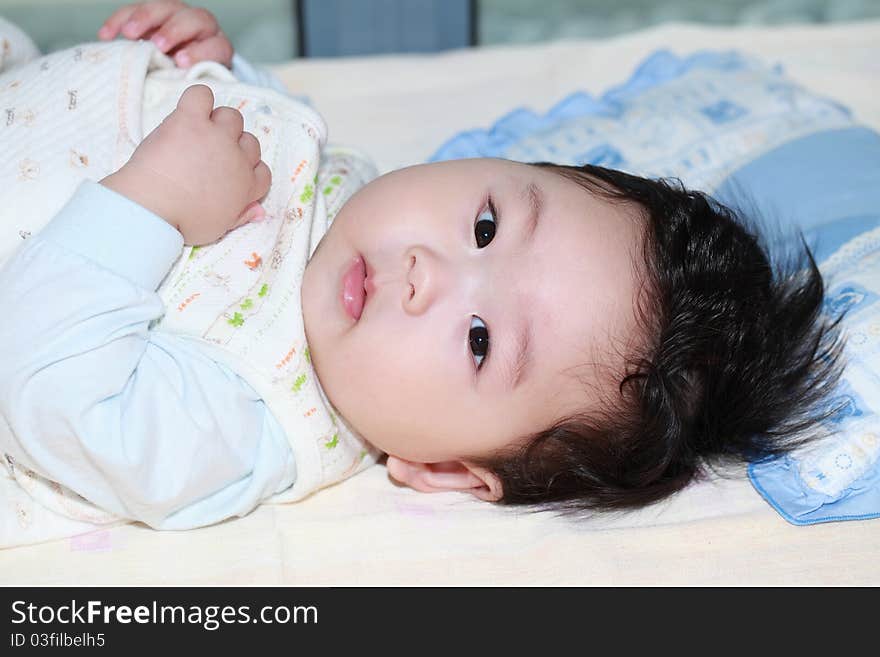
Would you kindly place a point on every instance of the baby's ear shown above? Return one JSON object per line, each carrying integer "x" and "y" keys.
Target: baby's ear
{"x": 446, "y": 476}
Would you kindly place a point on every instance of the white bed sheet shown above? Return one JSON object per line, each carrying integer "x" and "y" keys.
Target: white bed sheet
{"x": 367, "y": 531}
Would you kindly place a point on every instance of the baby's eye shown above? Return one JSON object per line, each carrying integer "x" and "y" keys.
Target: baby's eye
{"x": 484, "y": 226}
{"x": 478, "y": 337}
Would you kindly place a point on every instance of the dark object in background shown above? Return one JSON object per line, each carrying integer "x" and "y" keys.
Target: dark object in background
{"x": 336, "y": 28}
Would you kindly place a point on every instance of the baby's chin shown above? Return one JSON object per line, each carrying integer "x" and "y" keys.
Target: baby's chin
{"x": 336, "y": 384}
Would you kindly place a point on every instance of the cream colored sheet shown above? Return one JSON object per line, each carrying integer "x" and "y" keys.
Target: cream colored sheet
{"x": 368, "y": 531}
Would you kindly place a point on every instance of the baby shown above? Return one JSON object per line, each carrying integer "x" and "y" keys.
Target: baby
{"x": 565, "y": 337}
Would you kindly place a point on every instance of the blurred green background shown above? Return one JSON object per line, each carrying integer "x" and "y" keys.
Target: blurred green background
{"x": 265, "y": 30}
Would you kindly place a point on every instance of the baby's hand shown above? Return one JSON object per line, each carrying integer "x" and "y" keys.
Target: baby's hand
{"x": 197, "y": 170}
{"x": 190, "y": 34}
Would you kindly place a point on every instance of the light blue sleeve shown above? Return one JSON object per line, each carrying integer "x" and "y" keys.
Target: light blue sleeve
{"x": 246, "y": 72}
{"x": 139, "y": 422}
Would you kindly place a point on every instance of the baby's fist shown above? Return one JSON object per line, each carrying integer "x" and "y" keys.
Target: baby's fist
{"x": 197, "y": 170}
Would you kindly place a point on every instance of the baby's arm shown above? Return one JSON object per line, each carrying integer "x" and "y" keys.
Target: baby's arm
{"x": 140, "y": 423}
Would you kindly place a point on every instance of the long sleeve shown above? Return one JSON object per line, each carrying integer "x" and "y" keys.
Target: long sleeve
{"x": 246, "y": 72}
{"x": 243, "y": 70}
{"x": 137, "y": 421}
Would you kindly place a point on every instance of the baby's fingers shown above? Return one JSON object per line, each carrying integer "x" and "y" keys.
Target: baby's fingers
{"x": 262, "y": 179}
{"x": 216, "y": 49}
{"x": 230, "y": 120}
{"x": 198, "y": 100}
{"x": 251, "y": 147}
{"x": 114, "y": 23}
{"x": 187, "y": 24}
{"x": 253, "y": 212}
{"x": 135, "y": 21}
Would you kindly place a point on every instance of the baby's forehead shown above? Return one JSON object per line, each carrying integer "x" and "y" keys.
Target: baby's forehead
{"x": 582, "y": 299}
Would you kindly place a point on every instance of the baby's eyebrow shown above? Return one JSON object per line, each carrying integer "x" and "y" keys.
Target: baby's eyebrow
{"x": 523, "y": 360}
{"x": 534, "y": 196}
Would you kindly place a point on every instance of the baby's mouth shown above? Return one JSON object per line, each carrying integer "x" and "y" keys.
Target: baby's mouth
{"x": 354, "y": 294}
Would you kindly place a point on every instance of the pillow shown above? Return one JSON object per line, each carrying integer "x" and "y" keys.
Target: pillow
{"x": 697, "y": 118}
{"x": 838, "y": 476}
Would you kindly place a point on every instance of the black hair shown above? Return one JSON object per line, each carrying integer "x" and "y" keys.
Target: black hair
{"x": 735, "y": 361}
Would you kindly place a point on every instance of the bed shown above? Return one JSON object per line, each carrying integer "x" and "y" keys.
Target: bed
{"x": 369, "y": 531}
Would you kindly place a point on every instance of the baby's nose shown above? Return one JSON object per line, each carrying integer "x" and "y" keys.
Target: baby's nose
{"x": 423, "y": 274}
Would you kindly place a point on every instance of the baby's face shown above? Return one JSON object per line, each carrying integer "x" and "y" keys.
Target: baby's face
{"x": 492, "y": 287}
